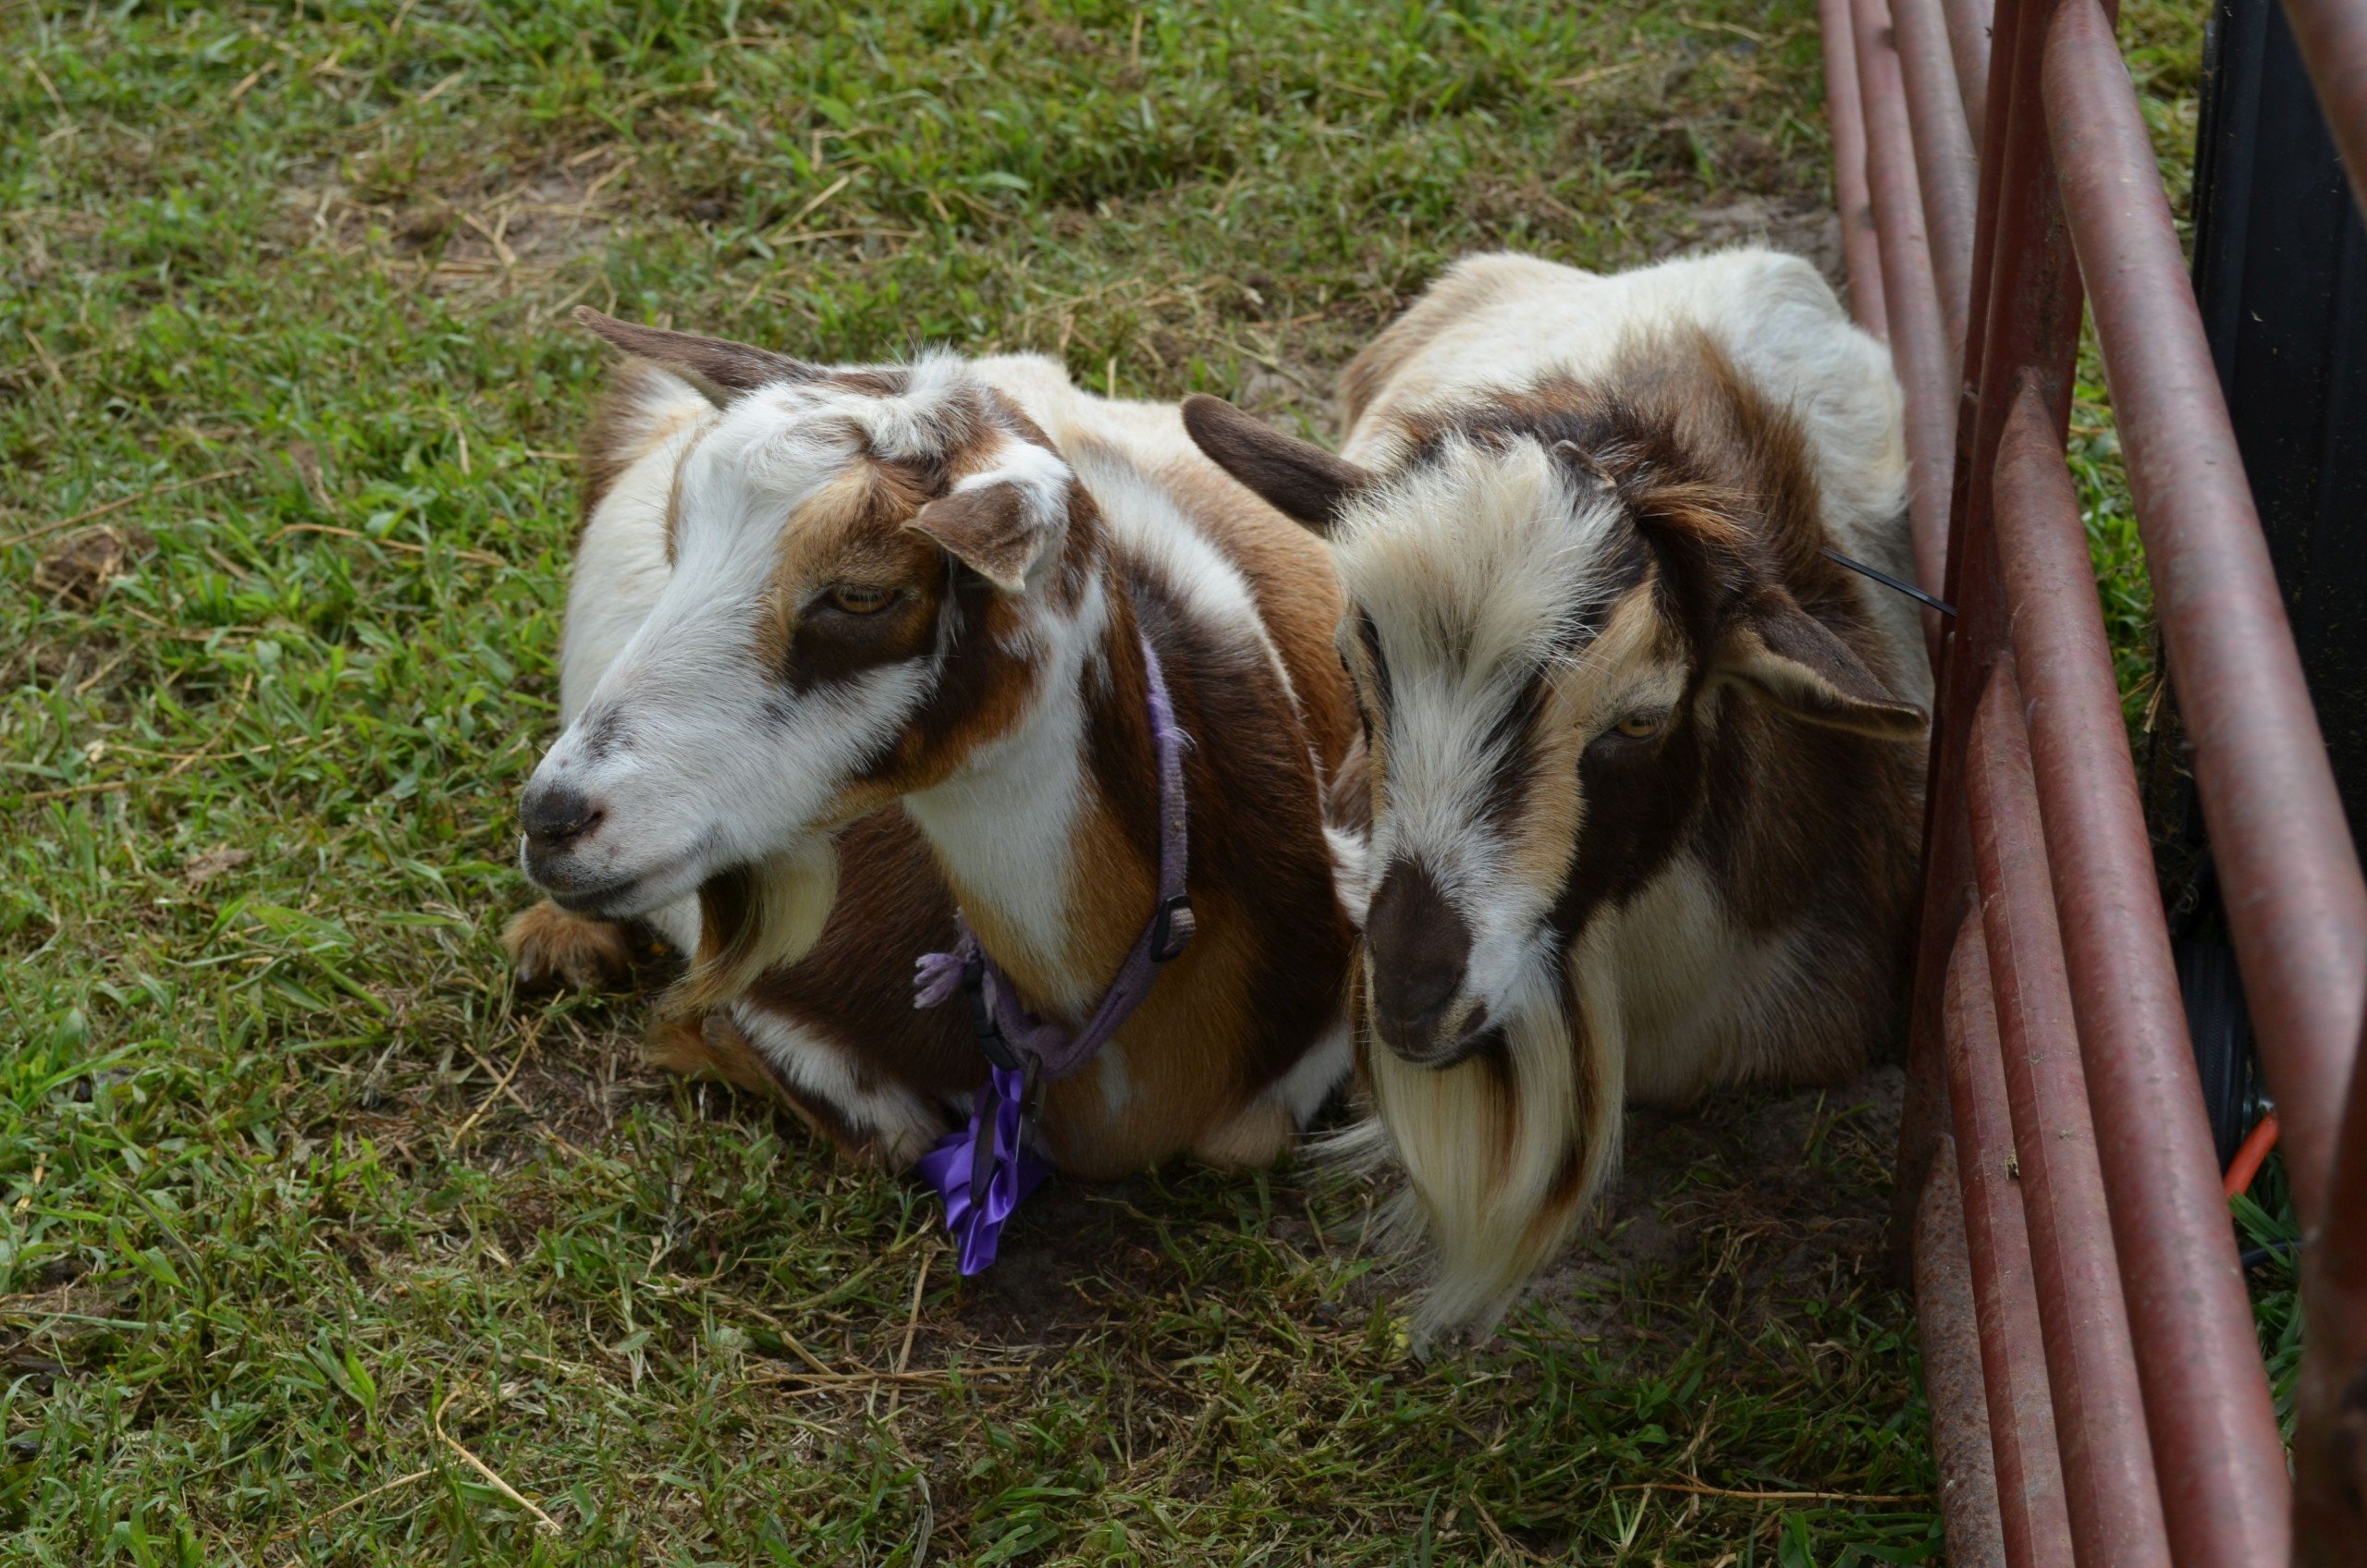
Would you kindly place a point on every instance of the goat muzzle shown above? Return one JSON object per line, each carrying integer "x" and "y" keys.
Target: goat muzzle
{"x": 1418, "y": 946}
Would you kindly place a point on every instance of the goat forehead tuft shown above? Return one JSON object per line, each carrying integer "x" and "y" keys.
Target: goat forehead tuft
{"x": 923, "y": 424}
{"x": 1492, "y": 556}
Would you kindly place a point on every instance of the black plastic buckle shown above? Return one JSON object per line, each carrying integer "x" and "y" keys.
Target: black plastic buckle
{"x": 982, "y": 1157}
{"x": 1172, "y": 928}
{"x": 982, "y": 1023}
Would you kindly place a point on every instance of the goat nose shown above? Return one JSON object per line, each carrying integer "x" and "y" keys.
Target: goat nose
{"x": 557, "y": 815}
{"x": 1421, "y": 950}
{"x": 1413, "y": 994}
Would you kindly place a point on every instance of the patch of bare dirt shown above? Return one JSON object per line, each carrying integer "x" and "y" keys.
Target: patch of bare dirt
{"x": 206, "y": 864}
{"x": 495, "y": 234}
{"x": 78, "y": 568}
{"x": 1762, "y": 1194}
{"x": 1055, "y": 1252}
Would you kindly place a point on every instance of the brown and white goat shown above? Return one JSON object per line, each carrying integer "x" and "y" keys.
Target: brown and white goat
{"x": 1646, "y": 763}
{"x": 845, "y": 646}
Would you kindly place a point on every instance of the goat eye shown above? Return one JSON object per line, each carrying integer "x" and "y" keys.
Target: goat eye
{"x": 1642, "y": 726}
{"x": 856, "y": 598}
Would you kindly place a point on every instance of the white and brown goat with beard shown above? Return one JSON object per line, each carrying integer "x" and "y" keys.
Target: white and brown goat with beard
{"x": 1646, "y": 763}
{"x": 845, "y": 646}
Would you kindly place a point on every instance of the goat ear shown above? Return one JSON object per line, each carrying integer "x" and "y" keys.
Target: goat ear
{"x": 1795, "y": 659}
{"x": 724, "y": 372}
{"x": 995, "y": 529}
{"x": 1298, "y": 478}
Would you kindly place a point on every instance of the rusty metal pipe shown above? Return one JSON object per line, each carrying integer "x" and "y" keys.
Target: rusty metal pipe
{"x": 1965, "y": 649}
{"x": 2215, "y": 1437}
{"x": 2032, "y": 1521}
{"x": 1845, "y": 114}
{"x": 1969, "y": 23}
{"x": 2026, "y": 302}
{"x": 2294, "y": 900}
{"x": 2333, "y": 35}
{"x": 2110, "y": 1488}
{"x": 1918, "y": 337}
{"x": 2026, "y": 297}
{"x": 1947, "y": 1328}
{"x": 2330, "y": 1440}
{"x": 1950, "y": 175}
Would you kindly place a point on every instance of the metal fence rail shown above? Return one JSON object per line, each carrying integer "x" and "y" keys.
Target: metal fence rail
{"x": 2077, "y": 1274}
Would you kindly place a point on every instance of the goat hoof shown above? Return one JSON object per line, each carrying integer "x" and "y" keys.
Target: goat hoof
{"x": 548, "y": 947}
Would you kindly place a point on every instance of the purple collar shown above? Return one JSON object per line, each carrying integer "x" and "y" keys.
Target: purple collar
{"x": 983, "y": 1169}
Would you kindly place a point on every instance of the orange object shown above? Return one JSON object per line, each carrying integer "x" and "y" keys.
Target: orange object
{"x": 2256, "y": 1145}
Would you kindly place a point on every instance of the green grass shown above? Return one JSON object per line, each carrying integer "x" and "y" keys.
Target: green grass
{"x": 299, "y": 1204}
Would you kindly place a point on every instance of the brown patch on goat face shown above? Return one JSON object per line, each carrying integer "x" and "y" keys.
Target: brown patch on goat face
{"x": 846, "y": 540}
{"x": 858, "y": 534}
{"x": 986, "y": 684}
{"x": 1542, "y": 833}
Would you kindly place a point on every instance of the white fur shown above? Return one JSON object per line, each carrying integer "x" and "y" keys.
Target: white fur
{"x": 706, "y": 764}
{"x": 902, "y": 1123}
{"x": 1469, "y": 566}
{"x": 1466, "y": 593}
{"x": 1506, "y": 323}
{"x": 1300, "y": 1093}
{"x": 1475, "y": 1195}
{"x": 1351, "y": 871}
{"x": 621, "y": 568}
{"x": 1003, "y": 825}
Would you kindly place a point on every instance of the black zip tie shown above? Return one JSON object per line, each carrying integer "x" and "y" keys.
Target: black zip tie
{"x": 1887, "y": 580}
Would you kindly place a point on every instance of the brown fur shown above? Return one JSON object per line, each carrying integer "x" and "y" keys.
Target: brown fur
{"x": 548, "y": 946}
{"x": 1810, "y": 826}
{"x": 1258, "y": 984}
{"x": 1766, "y": 793}
{"x": 621, "y": 433}
{"x": 1290, "y": 573}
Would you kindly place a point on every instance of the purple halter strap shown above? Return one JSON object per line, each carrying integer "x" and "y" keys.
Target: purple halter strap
{"x": 983, "y": 1169}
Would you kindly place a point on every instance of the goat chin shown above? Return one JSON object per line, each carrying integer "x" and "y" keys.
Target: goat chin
{"x": 753, "y": 918}
{"x": 1503, "y": 1159}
